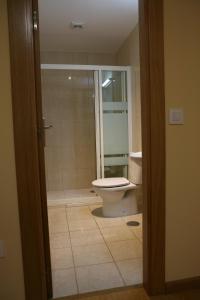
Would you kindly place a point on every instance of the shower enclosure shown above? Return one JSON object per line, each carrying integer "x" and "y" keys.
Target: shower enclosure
{"x": 88, "y": 122}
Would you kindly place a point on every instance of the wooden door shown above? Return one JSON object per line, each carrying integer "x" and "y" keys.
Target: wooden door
{"x": 29, "y": 151}
{"x": 41, "y": 144}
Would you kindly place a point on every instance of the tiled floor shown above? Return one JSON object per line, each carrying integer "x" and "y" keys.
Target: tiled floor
{"x": 91, "y": 253}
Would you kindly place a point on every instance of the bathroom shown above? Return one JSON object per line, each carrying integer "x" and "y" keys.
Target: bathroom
{"x": 92, "y": 120}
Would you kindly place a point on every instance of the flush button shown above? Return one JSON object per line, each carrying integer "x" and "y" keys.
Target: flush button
{"x": 176, "y": 116}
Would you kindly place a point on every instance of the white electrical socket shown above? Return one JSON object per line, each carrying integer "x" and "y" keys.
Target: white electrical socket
{"x": 2, "y": 249}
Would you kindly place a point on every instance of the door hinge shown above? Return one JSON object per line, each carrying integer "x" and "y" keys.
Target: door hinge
{"x": 35, "y": 20}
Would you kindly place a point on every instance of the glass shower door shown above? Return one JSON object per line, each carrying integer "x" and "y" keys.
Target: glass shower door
{"x": 69, "y": 106}
{"x": 114, "y": 123}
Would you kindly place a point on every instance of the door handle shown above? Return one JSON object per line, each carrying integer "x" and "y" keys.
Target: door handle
{"x": 47, "y": 126}
{"x": 44, "y": 127}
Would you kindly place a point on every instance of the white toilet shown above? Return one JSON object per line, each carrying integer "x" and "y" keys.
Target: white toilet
{"x": 119, "y": 194}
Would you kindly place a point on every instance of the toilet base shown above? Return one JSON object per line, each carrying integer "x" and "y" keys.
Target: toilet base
{"x": 117, "y": 206}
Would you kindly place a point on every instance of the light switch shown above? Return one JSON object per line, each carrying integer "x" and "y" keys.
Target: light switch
{"x": 176, "y": 116}
{"x": 2, "y": 249}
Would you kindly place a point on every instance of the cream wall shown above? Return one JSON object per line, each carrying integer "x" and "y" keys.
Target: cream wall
{"x": 182, "y": 80}
{"x": 53, "y": 57}
{"x": 11, "y": 274}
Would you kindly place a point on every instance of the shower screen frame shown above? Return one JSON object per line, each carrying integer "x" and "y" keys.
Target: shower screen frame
{"x": 99, "y": 103}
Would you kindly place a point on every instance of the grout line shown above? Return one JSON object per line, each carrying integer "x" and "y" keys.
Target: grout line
{"x": 57, "y": 269}
{"x": 90, "y": 265}
{"x": 127, "y": 259}
{"x": 115, "y": 262}
{"x": 134, "y": 238}
{"x": 104, "y": 242}
{"x": 141, "y": 242}
{"x": 63, "y": 202}
{"x": 124, "y": 240}
{"x": 52, "y": 248}
{"x": 135, "y": 234}
{"x": 112, "y": 256}
{"x": 104, "y": 262}
{"x": 58, "y": 232}
{"x": 141, "y": 222}
{"x": 78, "y": 292}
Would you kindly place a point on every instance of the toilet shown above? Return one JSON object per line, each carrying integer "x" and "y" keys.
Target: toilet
{"x": 119, "y": 196}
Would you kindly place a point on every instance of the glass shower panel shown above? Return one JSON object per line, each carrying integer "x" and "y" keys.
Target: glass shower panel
{"x": 115, "y": 123}
{"x": 69, "y": 106}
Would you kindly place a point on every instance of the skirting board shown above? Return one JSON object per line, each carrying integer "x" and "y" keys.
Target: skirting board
{"x": 183, "y": 284}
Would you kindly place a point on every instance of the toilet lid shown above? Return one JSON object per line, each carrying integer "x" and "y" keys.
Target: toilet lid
{"x": 110, "y": 182}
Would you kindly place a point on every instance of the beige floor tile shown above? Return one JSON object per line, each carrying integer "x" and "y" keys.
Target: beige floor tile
{"x": 109, "y": 222}
{"x": 82, "y": 201}
{"x": 56, "y": 207}
{"x": 94, "y": 206}
{"x": 64, "y": 283}
{"x": 57, "y": 220}
{"x": 91, "y": 254}
{"x": 125, "y": 249}
{"x": 79, "y": 193}
{"x": 86, "y": 237}
{"x": 95, "y": 269}
{"x": 61, "y": 258}
{"x": 55, "y": 195}
{"x": 138, "y": 232}
{"x": 60, "y": 240}
{"x": 82, "y": 224}
{"x": 131, "y": 271}
{"x": 78, "y": 213}
{"x": 117, "y": 233}
{"x": 98, "y": 277}
{"x": 78, "y": 209}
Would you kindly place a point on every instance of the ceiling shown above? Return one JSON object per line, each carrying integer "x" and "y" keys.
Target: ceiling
{"x": 107, "y": 24}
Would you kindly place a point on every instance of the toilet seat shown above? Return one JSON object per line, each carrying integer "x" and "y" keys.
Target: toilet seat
{"x": 111, "y": 182}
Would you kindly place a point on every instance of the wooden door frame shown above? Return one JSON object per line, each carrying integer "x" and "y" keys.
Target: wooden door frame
{"x": 151, "y": 30}
{"x": 28, "y": 169}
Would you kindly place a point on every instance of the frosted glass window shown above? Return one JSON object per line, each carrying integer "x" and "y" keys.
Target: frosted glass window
{"x": 115, "y": 123}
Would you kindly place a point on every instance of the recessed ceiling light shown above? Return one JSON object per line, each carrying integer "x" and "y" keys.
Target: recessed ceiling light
{"x": 70, "y": 77}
